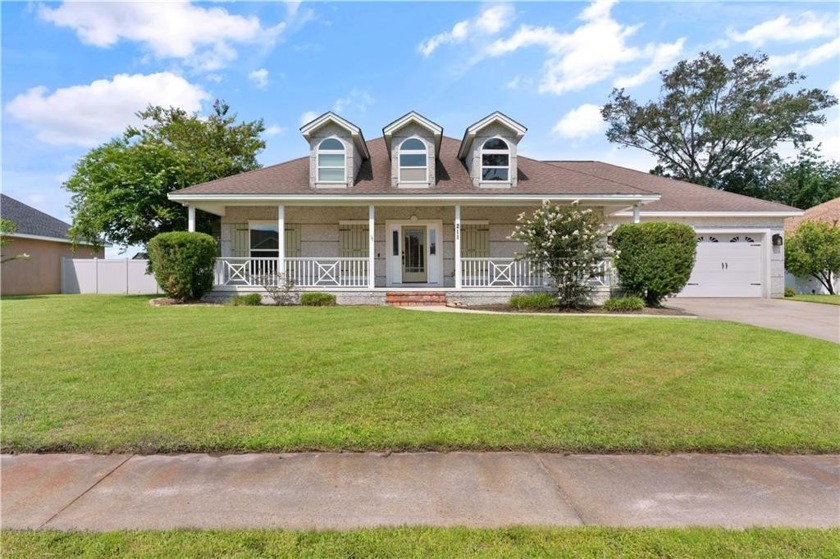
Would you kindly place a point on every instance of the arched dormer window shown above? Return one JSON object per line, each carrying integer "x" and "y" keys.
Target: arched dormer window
{"x": 495, "y": 160}
{"x": 331, "y": 162}
{"x": 414, "y": 162}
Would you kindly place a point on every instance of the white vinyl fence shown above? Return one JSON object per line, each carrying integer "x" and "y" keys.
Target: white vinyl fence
{"x": 117, "y": 276}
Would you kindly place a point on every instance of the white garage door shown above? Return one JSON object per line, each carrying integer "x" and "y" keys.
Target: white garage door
{"x": 726, "y": 266}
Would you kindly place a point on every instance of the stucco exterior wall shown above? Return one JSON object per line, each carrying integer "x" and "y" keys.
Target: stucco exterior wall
{"x": 41, "y": 273}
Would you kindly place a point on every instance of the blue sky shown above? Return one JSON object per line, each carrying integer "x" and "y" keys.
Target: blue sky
{"x": 73, "y": 75}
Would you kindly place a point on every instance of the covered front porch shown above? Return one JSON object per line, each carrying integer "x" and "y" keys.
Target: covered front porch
{"x": 374, "y": 249}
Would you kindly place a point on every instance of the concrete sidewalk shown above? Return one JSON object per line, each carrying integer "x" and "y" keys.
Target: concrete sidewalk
{"x": 345, "y": 491}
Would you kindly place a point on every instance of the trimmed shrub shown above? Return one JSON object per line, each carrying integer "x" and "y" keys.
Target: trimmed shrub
{"x": 249, "y": 300}
{"x": 624, "y": 304}
{"x": 534, "y": 301}
{"x": 790, "y": 292}
{"x": 182, "y": 263}
{"x": 654, "y": 259}
{"x": 317, "y": 299}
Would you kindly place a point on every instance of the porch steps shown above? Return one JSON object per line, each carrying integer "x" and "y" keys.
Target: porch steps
{"x": 414, "y": 298}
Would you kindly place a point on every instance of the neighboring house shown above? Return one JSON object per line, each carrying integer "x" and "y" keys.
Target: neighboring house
{"x": 416, "y": 210}
{"x": 829, "y": 212}
{"x": 46, "y": 240}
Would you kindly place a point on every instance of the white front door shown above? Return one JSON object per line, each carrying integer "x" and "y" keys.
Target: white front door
{"x": 726, "y": 266}
{"x": 414, "y": 253}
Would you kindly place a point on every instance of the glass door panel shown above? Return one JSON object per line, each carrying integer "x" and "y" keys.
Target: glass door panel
{"x": 414, "y": 255}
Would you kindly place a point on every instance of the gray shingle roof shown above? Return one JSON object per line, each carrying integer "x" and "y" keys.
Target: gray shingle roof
{"x": 534, "y": 178}
{"x": 30, "y": 221}
{"x": 292, "y": 177}
{"x": 676, "y": 196}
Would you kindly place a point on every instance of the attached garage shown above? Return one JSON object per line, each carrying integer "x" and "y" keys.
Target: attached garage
{"x": 728, "y": 265}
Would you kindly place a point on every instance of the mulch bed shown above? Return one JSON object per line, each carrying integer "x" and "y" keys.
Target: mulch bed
{"x": 660, "y": 311}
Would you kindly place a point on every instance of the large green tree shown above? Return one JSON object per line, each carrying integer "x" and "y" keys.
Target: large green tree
{"x": 120, "y": 188}
{"x": 814, "y": 250}
{"x": 712, "y": 119}
{"x": 803, "y": 182}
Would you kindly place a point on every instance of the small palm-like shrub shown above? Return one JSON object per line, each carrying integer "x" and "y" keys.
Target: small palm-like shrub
{"x": 790, "y": 292}
{"x": 624, "y": 304}
{"x": 317, "y": 299}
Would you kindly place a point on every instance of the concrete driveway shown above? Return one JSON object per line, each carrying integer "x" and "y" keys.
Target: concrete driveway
{"x": 809, "y": 319}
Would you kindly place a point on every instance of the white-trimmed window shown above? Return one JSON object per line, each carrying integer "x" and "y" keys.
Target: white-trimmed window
{"x": 262, "y": 239}
{"x": 414, "y": 162}
{"x": 331, "y": 161}
{"x": 495, "y": 160}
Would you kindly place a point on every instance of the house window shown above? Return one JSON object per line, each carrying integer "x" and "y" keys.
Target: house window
{"x": 413, "y": 161}
{"x": 331, "y": 167}
{"x": 495, "y": 160}
{"x": 263, "y": 240}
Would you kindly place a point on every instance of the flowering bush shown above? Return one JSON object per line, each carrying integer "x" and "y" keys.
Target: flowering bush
{"x": 568, "y": 244}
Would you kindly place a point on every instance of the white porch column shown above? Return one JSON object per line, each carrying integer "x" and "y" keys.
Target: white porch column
{"x": 636, "y": 218}
{"x": 190, "y": 218}
{"x": 281, "y": 240}
{"x": 458, "y": 246}
{"x": 371, "y": 253}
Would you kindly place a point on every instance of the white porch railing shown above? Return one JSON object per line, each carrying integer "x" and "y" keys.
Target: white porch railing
{"x": 327, "y": 272}
{"x": 303, "y": 272}
{"x": 509, "y": 272}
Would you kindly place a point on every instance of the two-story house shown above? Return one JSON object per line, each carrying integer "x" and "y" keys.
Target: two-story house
{"x": 414, "y": 211}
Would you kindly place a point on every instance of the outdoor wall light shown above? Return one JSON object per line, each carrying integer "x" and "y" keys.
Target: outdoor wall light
{"x": 778, "y": 240}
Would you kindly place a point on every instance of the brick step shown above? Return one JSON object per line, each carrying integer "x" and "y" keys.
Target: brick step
{"x": 405, "y": 298}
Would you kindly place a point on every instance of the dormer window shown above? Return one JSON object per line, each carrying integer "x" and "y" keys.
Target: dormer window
{"x": 331, "y": 163}
{"x": 414, "y": 161}
{"x": 495, "y": 160}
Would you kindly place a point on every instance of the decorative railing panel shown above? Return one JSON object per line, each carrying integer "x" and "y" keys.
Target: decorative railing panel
{"x": 510, "y": 272}
{"x": 302, "y": 272}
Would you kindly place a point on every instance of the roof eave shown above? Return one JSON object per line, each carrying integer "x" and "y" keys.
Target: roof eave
{"x": 717, "y": 213}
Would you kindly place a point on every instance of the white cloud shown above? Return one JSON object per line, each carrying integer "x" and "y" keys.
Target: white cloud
{"x": 356, "y": 99}
{"x": 580, "y": 123}
{"x": 490, "y": 21}
{"x": 663, "y": 56}
{"x": 811, "y": 57}
{"x": 308, "y": 117}
{"x": 87, "y": 115}
{"x": 259, "y": 78}
{"x": 834, "y": 89}
{"x": 808, "y": 26}
{"x": 203, "y": 38}
{"x": 275, "y": 130}
{"x": 590, "y": 53}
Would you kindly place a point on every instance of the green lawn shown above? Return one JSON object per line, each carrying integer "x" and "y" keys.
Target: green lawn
{"x": 432, "y": 542}
{"x": 113, "y": 374}
{"x": 825, "y": 299}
